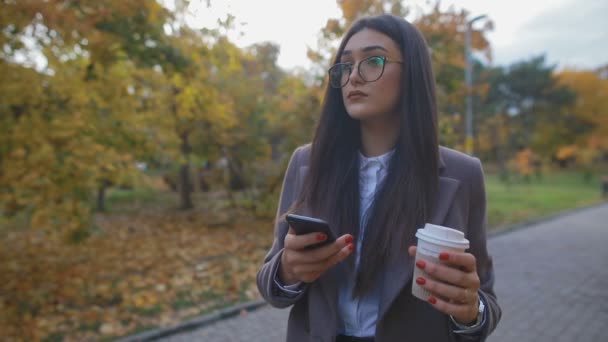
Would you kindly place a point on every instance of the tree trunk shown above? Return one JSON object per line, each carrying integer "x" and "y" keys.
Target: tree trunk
{"x": 203, "y": 184}
{"x": 499, "y": 148}
{"x": 236, "y": 179}
{"x": 101, "y": 195}
{"x": 185, "y": 186}
{"x": 183, "y": 183}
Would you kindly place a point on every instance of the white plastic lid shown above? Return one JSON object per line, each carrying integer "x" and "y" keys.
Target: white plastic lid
{"x": 443, "y": 236}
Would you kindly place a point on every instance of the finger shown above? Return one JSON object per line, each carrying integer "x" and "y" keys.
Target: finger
{"x": 460, "y": 312}
{"x": 334, "y": 250}
{"x": 344, "y": 253}
{"x": 450, "y": 275}
{"x": 322, "y": 253}
{"x": 463, "y": 260}
{"x": 311, "y": 272}
{"x": 299, "y": 242}
{"x": 447, "y": 291}
{"x": 412, "y": 250}
{"x": 290, "y": 234}
{"x": 322, "y": 266}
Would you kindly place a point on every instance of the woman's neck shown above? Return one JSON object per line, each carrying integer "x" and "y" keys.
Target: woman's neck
{"x": 379, "y": 136}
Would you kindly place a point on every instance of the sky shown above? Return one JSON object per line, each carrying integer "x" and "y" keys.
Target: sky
{"x": 572, "y": 33}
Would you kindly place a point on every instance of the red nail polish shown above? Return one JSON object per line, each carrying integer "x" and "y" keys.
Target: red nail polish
{"x": 351, "y": 246}
{"x": 420, "y": 281}
{"x": 349, "y": 239}
{"x": 444, "y": 256}
{"x": 432, "y": 300}
{"x": 321, "y": 237}
{"x": 420, "y": 263}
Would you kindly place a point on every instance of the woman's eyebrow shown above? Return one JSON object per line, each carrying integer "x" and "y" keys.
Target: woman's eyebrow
{"x": 366, "y": 49}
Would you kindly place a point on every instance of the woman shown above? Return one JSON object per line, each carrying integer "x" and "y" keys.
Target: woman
{"x": 376, "y": 173}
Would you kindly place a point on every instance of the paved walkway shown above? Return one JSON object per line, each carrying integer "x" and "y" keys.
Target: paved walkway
{"x": 551, "y": 282}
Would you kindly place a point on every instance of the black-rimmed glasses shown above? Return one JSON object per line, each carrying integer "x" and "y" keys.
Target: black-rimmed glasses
{"x": 370, "y": 69}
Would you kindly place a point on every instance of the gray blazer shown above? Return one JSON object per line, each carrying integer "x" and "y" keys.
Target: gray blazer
{"x": 401, "y": 317}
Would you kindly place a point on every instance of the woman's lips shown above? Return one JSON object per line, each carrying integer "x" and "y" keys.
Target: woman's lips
{"x": 354, "y": 95}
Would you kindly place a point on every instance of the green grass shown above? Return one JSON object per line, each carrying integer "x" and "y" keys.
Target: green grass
{"x": 508, "y": 203}
{"x": 131, "y": 195}
{"x": 58, "y": 337}
{"x": 183, "y": 301}
{"x": 90, "y": 327}
{"x": 133, "y": 201}
{"x": 519, "y": 201}
{"x": 149, "y": 312}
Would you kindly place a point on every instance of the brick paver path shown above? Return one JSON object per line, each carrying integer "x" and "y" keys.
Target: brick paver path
{"x": 551, "y": 282}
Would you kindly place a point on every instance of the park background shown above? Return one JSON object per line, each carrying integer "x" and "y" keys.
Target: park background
{"x": 140, "y": 164}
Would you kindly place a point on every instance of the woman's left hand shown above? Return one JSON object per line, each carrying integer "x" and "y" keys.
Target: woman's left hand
{"x": 454, "y": 283}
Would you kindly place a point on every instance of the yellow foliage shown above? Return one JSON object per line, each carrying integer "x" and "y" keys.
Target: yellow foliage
{"x": 450, "y": 130}
{"x": 586, "y": 157}
{"x": 492, "y": 134}
{"x": 567, "y": 152}
{"x": 591, "y": 104}
{"x": 351, "y": 8}
{"x": 59, "y": 147}
{"x": 524, "y": 162}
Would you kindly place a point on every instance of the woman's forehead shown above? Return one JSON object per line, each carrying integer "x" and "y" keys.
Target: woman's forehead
{"x": 368, "y": 40}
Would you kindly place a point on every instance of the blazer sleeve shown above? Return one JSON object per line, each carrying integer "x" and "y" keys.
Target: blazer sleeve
{"x": 478, "y": 247}
{"x": 265, "y": 276}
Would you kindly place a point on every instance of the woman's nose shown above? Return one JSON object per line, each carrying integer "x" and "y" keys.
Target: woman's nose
{"x": 355, "y": 77}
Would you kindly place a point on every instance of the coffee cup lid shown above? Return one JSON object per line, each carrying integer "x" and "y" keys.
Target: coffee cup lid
{"x": 443, "y": 236}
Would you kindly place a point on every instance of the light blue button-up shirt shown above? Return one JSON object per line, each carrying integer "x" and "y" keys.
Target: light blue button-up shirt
{"x": 359, "y": 315}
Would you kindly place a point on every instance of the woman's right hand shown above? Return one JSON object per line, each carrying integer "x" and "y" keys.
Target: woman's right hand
{"x": 298, "y": 264}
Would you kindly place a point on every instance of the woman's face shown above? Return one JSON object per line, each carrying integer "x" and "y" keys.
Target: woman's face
{"x": 365, "y": 100}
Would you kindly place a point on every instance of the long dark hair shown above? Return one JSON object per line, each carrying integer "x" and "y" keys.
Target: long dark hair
{"x": 407, "y": 197}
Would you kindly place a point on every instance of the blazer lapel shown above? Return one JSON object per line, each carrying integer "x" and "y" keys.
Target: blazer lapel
{"x": 447, "y": 190}
{"x": 393, "y": 282}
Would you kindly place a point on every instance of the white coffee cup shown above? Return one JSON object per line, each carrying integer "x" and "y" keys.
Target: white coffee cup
{"x": 432, "y": 240}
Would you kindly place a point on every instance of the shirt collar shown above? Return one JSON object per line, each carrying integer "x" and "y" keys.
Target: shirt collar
{"x": 383, "y": 159}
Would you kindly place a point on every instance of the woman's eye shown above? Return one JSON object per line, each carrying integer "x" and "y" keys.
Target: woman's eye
{"x": 347, "y": 67}
{"x": 376, "y": 61}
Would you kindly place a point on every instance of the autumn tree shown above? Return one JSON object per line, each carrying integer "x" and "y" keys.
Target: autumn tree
{"x": 494, "y": 134}
{"x": 66, "y": 132}
{"x": 587, "y": 117}
{"x": 589, "y": 112}
{"x": 444, "y": 31}
{"x": 252, "y": 78}
{"x": 201, "y": 111}
{"x": 535, "y": 105}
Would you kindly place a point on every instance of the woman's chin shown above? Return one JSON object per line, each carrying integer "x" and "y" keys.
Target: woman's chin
{"x": 359, "y": 114}
{"x": 364, "y": 115}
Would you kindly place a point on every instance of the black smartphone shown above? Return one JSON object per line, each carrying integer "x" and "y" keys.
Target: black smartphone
{"x": 304, "y": 225}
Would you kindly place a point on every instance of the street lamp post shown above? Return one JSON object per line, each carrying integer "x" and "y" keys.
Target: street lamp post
{"x": 469, "y": 81}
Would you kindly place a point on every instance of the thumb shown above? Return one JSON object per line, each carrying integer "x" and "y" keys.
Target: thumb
{"x": 412, "y": 250}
